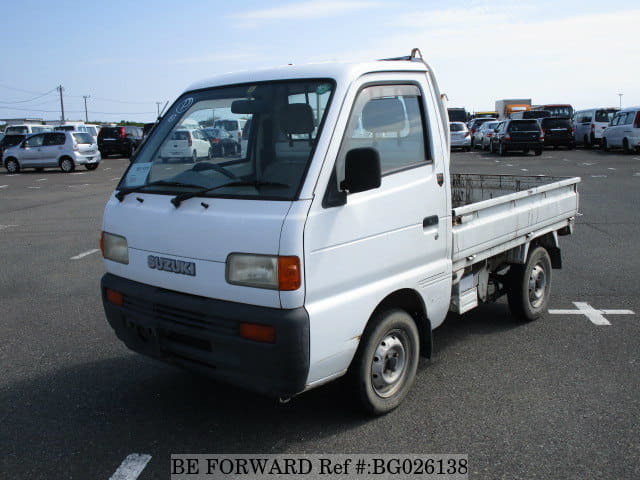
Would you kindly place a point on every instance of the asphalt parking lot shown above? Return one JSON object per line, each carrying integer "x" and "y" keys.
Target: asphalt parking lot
{"x": 556, "y": 398}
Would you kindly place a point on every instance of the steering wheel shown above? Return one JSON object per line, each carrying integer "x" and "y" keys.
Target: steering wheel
{"x": 199, "y": 167}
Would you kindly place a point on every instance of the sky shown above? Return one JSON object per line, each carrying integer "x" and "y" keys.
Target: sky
{"x": 129, "y": 55}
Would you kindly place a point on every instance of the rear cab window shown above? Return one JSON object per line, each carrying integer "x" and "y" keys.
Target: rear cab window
{"x": 82, "y": 137}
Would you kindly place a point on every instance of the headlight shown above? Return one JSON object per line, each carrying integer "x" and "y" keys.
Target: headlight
{"x": 263, "y": 271}
{"x": 114, "y": 247}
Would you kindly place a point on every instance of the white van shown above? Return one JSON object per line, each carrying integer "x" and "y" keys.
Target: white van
{"x": 590, "y": 124}
{"x": 623, "y": 131}
{"x": 325, "y": 251}
{"x": 233, "y": 126}
{"x": 27, "y": 129}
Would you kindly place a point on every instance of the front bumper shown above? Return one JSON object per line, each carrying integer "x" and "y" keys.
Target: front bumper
{"x": 202, "y": 334}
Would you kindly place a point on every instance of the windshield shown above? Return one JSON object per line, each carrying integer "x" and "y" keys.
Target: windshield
{"x": 13, "y": 130}
{"x": 183, "y": 152}
{"x": 560, "y": 110}
{"x": 604, "y": 115}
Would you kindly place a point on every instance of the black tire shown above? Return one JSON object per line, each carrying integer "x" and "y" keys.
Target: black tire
{"x": 537, "y": 152}
{"x": 194, "y": 157}
{"x": 67, "y": 165}
{"x": 605, "y": 144}
{"x": 91, "y": 166}
{"x": 502, "y": 150}
{"x": 385, "y": 364}
{"x": 39, "y": 169}
{"x": 12, "y": 165}
{"x": 529, "y": 286}
{"x": 587, "y": 143}
{"x": 132, "y": 150}
{"x": 625, "y": 147}
{"x": 210, "y": 153}
{"x": 571, "y": 146}
{"x": 525, "y": 151}
{"x": 473, "y": 143}
{"x": 592, "y": 139}
{"x": 491, "y": 149}
{"x": 467, "y": 149}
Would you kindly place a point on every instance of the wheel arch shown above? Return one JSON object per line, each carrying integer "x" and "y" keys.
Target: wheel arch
{"x": 410, "y": 301}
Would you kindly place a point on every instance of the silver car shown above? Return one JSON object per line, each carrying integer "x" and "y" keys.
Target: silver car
{"x": 64, "y": 150}
{"x": 484, "y": 134}
{"x": 460, "y": 136}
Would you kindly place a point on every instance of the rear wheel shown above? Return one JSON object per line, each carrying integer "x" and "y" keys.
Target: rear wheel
{"x": 538, "y": 152}
{"x": 12, "y": 165}
{"x": 385, "y": 365}
{"x": 67, "y": 165}
{"x": 587, "y": 143}
{"x": 491, "y": 149}
{"x": 473, "y": 143}
{"x": 625, "y": 147}
{"x": 194, "y": 157}
{"x": 525, "y": 151}
{"x": 605, "y": 144}
{"x": 529, "y": 286}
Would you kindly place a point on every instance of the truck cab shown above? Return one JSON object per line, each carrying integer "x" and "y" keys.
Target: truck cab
{"x": 325, "y": 249}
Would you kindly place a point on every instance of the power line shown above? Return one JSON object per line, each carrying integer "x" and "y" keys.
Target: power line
{"x": 74, "y": 111}
{"x": 31, "y": 99}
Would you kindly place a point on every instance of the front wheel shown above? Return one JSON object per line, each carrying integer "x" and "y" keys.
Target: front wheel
{"x": 502, "y": 150}
{"x": 385, "y": 365}
{"x": 12, "y": 165}
{"x": 529, "y": 286}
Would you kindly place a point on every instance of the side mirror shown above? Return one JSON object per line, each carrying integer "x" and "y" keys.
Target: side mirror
{"x": 23, "y": 145}
{"x": 361, "y": 170}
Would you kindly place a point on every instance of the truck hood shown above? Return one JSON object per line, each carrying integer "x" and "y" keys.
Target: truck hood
{"x": 198, "y": 235}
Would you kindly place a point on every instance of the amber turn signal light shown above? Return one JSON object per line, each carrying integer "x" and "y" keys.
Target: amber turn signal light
{"x": 115, "y": 297}
{"x": 288, "y": 273}
{"x": 258, "y": 333}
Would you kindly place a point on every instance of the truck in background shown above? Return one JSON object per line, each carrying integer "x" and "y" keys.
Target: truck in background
{"x": 508, "y": 106}
{"x": 458, "y": 114}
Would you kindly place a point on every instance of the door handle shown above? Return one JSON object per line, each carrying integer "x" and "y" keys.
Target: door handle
{"x": 430, "y": 221}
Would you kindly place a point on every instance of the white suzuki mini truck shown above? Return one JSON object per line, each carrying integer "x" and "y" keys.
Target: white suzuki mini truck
{"x": 334, "y": 245}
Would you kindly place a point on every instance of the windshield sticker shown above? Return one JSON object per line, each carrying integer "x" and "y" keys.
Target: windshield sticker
{"x": 138, "y": 174}
{"x": 172, "y": 118}
{"x": 184, "y": 105}
{"x": 323, "y": 88}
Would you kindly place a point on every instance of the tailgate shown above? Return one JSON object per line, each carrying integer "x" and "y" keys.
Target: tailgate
{"x": 488, "y": 219}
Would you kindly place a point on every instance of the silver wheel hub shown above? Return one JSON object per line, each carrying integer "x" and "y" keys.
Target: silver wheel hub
{"x": 537, "y": 285}
{"x": 389, "y": 365}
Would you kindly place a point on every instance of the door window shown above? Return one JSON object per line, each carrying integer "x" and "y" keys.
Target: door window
{"x": 34, "y": 141}
{"x": 51, "y": 139}
{"x": 389, "y": 119}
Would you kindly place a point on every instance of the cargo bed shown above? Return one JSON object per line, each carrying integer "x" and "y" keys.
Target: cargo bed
{"x": 495, "y": 213}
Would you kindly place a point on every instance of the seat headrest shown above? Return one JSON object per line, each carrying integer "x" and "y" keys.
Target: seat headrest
{"x": 383, "y": 115}
{"x": 296, "y": 118}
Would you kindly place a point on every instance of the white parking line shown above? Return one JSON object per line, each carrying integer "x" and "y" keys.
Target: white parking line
{"x": 131, "y": 467}
{"x": 13, "y": 175}
{"x": 2, "y": 227}
{"x": 596, "y": 316}
{"x": 41, "y": 180}
{"x": 598, "y": 176}
{"x": 637, "y": 174}
{"x": 115, "y": 178}
{"x": 610, "y": 168}
{"x": 108, "y": 168}
{"x": 84, "y": 254}
{"x": 34, "y": 187}
{"x": 4, "y": 186}
{"x": 524, "y": 169}
{"x": 79, "y": 173}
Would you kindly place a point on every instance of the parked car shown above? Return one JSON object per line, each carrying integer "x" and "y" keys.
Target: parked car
{"x": 531, "y": 114}
{"x": 64, "y": 150}
{"x": 474, "y": 126}
{"x": 185, "y": 144}
{"x": 119, "y": 140}
{"x": 223, "y": 144}
{"x": 623, "y": 131}
{"x": 460, "y": 136}
{"x": 11, "y": 139}
{"x": 590, "y": 124}
{"x": 232, "y": 125}
{"x": 27, "y": 129}
{"x": 558, "y": 132}
{"x": 484, "y": 133}
{"x": 523, "y": 135}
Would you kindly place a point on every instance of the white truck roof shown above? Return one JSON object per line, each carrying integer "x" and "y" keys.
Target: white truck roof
{"x": 341, "y": 72}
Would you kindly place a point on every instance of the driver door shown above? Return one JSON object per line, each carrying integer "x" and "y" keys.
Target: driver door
{"x": 31, "y": 150}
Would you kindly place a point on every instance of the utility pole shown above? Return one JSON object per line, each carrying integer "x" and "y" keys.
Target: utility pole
{"x": 158, "y": 107}
{"x": 86, "y": 115}
{"x": 620, "y": 95}
{"x": 60, "y": 88}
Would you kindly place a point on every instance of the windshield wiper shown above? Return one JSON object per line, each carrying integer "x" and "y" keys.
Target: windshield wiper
{"x": 257, "y": 184}
{"x": 170, "y": 183}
